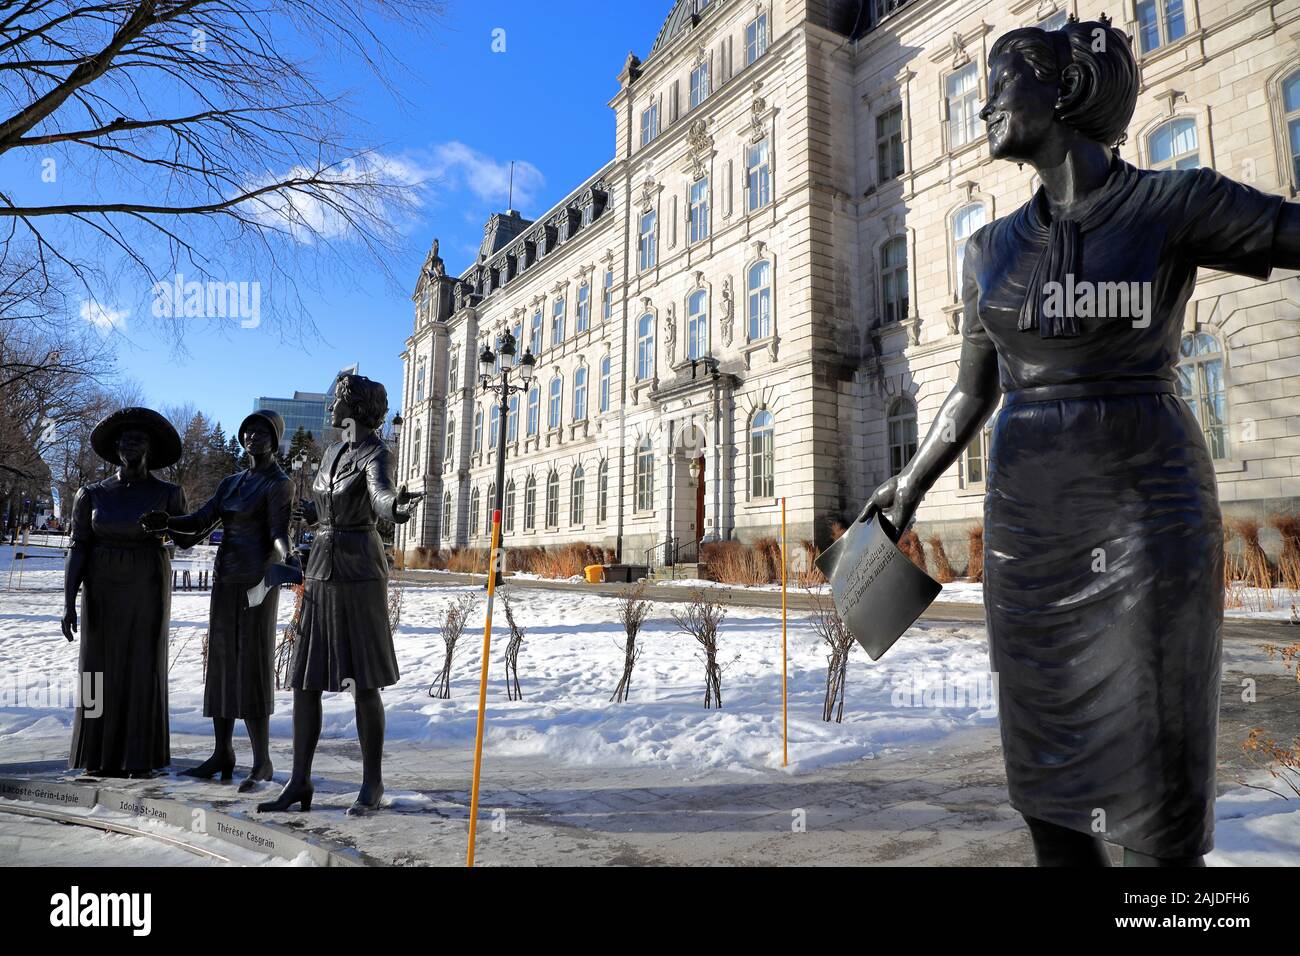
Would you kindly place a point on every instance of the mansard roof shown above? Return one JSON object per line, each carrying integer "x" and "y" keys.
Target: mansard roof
{"x": 681, "y": 18}
{"x": 499, "y": 231}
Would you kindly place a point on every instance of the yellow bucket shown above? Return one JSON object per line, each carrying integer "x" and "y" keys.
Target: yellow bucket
{"x": 595, "y": 573}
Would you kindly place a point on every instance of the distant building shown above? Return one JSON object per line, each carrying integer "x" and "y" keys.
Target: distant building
{"x": 306, "y": 410}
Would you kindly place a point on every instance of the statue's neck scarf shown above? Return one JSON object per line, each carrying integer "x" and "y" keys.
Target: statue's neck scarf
{"x": 1062, "y": 253}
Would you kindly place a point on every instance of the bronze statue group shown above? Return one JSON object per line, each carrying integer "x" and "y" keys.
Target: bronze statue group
{"x": 1108, "y": 682}
{"x": 119, "y": 563}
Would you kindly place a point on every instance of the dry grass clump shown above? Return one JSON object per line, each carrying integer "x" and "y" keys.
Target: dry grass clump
{"x": 911, "y": 546}
{"x": 734, "y": 562}
{"x": 975, "y": 554}
{"x": 943, "y": 572}
{"x": 1288, "y": 563}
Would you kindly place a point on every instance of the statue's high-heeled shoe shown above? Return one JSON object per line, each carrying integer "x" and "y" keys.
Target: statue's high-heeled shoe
{"x": 300, "y": 793}
{"x": 255, "y": 776}
{"x": 368, "y": 799}
{"x": 223, "y": 764}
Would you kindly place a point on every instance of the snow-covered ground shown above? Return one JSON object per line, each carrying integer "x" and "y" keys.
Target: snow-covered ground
{"x": 933, "y": 681}
{"x": 569, "y": 666}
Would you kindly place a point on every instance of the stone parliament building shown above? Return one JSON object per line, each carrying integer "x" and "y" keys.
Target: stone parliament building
{"x": 756, "y": 297}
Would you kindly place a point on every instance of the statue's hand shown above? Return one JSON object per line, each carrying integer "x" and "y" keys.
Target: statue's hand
{"x": 306, "y": 511}
{"x": 403, "y": 507}
{"x": 70, "y": 623}
{"x": 155, "y": 522}
{"x": 895, "y": 500}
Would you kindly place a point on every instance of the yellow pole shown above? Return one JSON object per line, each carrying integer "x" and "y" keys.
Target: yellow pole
{"x": 482, "y": 683}
{"x": 785, "y": 725}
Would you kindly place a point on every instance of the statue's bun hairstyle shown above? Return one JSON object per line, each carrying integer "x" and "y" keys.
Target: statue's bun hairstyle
{"x": 1093, "y": 64}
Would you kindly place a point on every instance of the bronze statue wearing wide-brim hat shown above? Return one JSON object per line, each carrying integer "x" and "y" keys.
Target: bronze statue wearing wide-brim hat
{"x": 164, "y": 442}
{"x": 271, "y": 417}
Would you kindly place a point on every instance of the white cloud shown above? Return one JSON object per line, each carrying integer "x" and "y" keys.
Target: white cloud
{"x": 463, "y": 167}
{"x": 101, "y": 317}
{"x": 397, "y": 187}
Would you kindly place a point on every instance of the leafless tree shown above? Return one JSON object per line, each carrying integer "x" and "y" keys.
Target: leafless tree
{"x": 513, "y": 646}
{"x": 632, "y": 614}
{"x": 830, "y": 628}
{"x": 452, "y": 629}
{"x": 159, "y": 130}
{"x": 700, "y": 619}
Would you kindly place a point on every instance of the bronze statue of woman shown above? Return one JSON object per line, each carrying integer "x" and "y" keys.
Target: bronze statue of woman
{"x": 252, "y": 508}
{"x": 1103, "y": 541}
{"x": 124, "y": 575}
{"x": 344, "y": 640}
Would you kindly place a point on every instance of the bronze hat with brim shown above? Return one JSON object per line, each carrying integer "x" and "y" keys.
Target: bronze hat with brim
{"x": 271, "y": 417}
{"x": 164, "y": 443}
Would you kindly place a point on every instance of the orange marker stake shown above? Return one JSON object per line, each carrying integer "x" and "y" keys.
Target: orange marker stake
{"x": 482, "y": 684}
{"x": 785, "y": 724}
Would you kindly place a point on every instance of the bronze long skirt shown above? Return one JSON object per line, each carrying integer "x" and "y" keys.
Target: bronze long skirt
{"x": 240, "y": 678}
{"x": 1104, "y": 592}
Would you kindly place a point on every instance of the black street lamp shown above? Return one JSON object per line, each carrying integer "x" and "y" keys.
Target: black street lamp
{"x": 488, "y": 363}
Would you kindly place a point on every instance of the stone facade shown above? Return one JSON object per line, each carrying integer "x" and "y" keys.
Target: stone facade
{"x": 826, "y": 280}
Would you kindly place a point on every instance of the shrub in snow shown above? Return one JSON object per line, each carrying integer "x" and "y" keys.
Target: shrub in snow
{"x": 513, "y": 691}
{"x": 830, "y": 628}
{"x": 700, "y": 619}
{"x": 632, "y": 613}
{"x": 452, "y": 629}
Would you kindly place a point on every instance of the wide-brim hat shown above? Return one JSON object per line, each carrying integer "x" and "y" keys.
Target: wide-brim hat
{"x": 271, "y": 417}
{"x": 164, "y": 443}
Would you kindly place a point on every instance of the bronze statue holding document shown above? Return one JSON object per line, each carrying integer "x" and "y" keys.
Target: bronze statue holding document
{"x": 1103, "y": 538}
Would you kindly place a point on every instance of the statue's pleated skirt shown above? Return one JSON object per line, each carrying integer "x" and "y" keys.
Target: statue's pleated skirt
{"x": 240, "y": 677}
{"x": 344, "y": 636}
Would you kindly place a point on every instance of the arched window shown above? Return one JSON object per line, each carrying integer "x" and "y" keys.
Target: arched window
{"x": 555, "y": 402}
{"x": 584, "y": 308}
{"x": 580, "y": 394}
{"x": 1201, "y": 384}
{"x": 449, "y": 452}
{"x": 446, "y": 517}
{"x": 605, "y": 367}
{"x": 645, "y": 475}
{"x": 893, "y": 280}
{"x": 1291, "y": 117}
{"x": 553, "y": 500}
{"x": 602, "y": 492}
{"x": 508, "y": 519}
{"x": 759, "y": 285}
{"x": 645, "y": 347}
{"x": 474, "y": 502}
{"x": 478, "y": 429}
{"x": 577, "y": 497}
{"x": 530, "y": 503}
{"x": 534, "y": 408}
{"x": 762, "y": 455}
{"x": 697, "y": 326}
{"x": 1173, "y": 145}
{"x": 965, "y": 221}
{"x": 902, "y": 434}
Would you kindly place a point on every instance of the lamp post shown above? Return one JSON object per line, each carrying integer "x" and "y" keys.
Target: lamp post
{"x": 487, "y": 364}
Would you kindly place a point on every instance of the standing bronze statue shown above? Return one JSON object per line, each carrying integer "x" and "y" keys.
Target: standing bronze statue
{"x": 252, "y": 507}
{"x": 1103, "y": 540}
{"x": 124, "y": 575}
{"x": 344, "y": 640}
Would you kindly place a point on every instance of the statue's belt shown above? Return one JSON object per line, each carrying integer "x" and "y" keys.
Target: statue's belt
{"x": 326, "y": 529}
{"x": 1054, "y": 393}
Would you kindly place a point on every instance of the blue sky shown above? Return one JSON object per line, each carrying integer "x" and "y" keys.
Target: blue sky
{"x": 469, "y": 112}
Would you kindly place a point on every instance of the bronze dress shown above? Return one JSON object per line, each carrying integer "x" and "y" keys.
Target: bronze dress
{"x": 1103, "y": 539}
{"x": 344, "y": 633}
{"x": 125, "y": 613}
{"x": 252, "y": 508}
